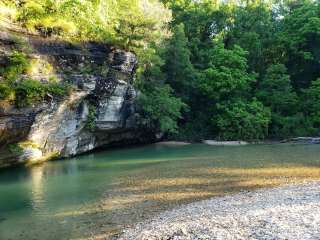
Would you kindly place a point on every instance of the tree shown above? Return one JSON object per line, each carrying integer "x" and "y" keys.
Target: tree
{"x": 226, "y": 75}
{"x": 224, "y": 59}
{"x": 178, "y": 68}
{"x": 311, "y": 104}
{"x": 160, "y": 110}
{"x": 139, "y": 22}
{"x": 299, "y": 38}
{"x": 128, "y": 23}
{"x": 253, "y": 29}
{"x": 242, "y": 120}
{"x": 276, "y": 92}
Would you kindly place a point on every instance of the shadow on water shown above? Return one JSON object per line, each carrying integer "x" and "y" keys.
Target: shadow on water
{"x": 99, "y": 194}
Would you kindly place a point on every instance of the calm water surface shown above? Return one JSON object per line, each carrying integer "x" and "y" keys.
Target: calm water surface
{"x": 99, "y": 194}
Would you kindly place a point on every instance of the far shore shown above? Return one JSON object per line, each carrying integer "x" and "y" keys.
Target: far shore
{"x": 298, "y": 140}
{"x": 173, "y": 143}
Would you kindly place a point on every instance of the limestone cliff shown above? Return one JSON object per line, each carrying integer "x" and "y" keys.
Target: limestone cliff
{"x": 98, "y": 112}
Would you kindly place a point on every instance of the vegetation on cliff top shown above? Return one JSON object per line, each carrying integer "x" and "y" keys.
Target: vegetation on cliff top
{"x": 24, "y": 91}
{"x": 244, "y": 69}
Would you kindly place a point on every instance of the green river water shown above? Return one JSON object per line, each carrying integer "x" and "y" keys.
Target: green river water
{"x": 97, "y": 195}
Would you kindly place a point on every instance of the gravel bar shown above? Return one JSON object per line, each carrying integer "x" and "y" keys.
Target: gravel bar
{"x": 285, "y": 213}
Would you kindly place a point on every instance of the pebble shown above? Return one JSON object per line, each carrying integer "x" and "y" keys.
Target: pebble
{"x": 285, "y": 213}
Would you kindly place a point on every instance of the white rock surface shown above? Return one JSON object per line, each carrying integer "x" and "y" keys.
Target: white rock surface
{"x": 284, "y": 213}
{"x": 31, "y": 154}
{"x": 225, "y": 143}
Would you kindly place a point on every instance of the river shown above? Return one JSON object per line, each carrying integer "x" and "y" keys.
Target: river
{"x": 98, "y": 194}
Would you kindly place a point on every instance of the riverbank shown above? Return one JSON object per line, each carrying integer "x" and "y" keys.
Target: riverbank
{"x": 298, "y": 140}
{"x": 289, "y": 212}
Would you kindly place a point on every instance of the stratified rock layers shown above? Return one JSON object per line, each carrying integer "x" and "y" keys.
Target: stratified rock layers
{"x": 98, "y": 112}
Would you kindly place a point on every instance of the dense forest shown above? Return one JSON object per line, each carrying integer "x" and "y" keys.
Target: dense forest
{"x": 238, "y": 69}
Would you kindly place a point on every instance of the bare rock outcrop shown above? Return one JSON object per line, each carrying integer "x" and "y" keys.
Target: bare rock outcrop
{"x": 99, "y": 111}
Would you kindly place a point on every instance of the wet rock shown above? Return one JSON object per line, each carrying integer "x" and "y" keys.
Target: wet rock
{"x": 31, "y": 155}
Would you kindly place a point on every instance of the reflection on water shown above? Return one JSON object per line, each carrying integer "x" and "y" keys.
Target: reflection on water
{"x": 99, "y": 194}
{"x": 37, "y": 198}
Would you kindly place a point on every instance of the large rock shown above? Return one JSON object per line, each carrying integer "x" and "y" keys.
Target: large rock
{"x": 102, "y": 79}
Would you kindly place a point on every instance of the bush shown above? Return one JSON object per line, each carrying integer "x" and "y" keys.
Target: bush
{"x": 5, "y": 91}
{"x": 90, "y": 125}
{"x": 18, "y": 64}
{"x": 15, "y": 149}
{"x": 160, "y": 110}
{"x": 243, "y": 120}
{"x": 31, "y": 91}
{"x": 57, "y": 89}
{"x": 291, "y": 126}
{"x": 311, "y": 103}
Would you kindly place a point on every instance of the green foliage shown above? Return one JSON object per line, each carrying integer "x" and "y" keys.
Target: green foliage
{"x": 253, "y": 29}
{"x": 160, "y": 109}
{"x": 299, "y": 38}
{"x": 243, "y": 120}
{"x": 275, "y": 91}
{"x": 17, "y": 65}
{"x": 239, "y": 51}
{"x": 5, "y": 91}
{"x": 15, "y": 149}
{"x": 31, "y": 91}
{"x": 131, "y": 24}
{"x": 290, "y": 126}
{"x": 57, "y": 89}
{"x": 90, "y": 124}
{"x": 25, "y": 92}
{"x": 180, "y": 72}
{"x": 246, "y": 69}
{"x": 226, "y": 74}
{"x": 311, "y": 103}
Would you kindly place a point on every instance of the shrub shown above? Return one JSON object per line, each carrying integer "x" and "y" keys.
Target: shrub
{"x": 57, "y": 89}
{"x": 18, "y": 64}
{"x": 15, "y": 149}
{"x": 160, "y": 110}
{"x": 90, "y": 125}
{"x": 30, "y": 91}
{"x": 5, "y": 91}
{"x": 243, "y": 120}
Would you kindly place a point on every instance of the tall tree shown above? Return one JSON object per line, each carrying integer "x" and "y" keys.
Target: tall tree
{"x": 226, "y": 75}
{"x": 300, "y": 37}
{"x": 179, "y": 70}
{"x": 311, "y": 105}
{"x": 276, "y": 92}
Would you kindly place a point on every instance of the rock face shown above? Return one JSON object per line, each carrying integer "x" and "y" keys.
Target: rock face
{"x": 102, "y": 97}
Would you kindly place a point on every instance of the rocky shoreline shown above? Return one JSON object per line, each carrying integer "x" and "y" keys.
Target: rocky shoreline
{"x": 290, "y": 212}
{"x": 298, "y": 140}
